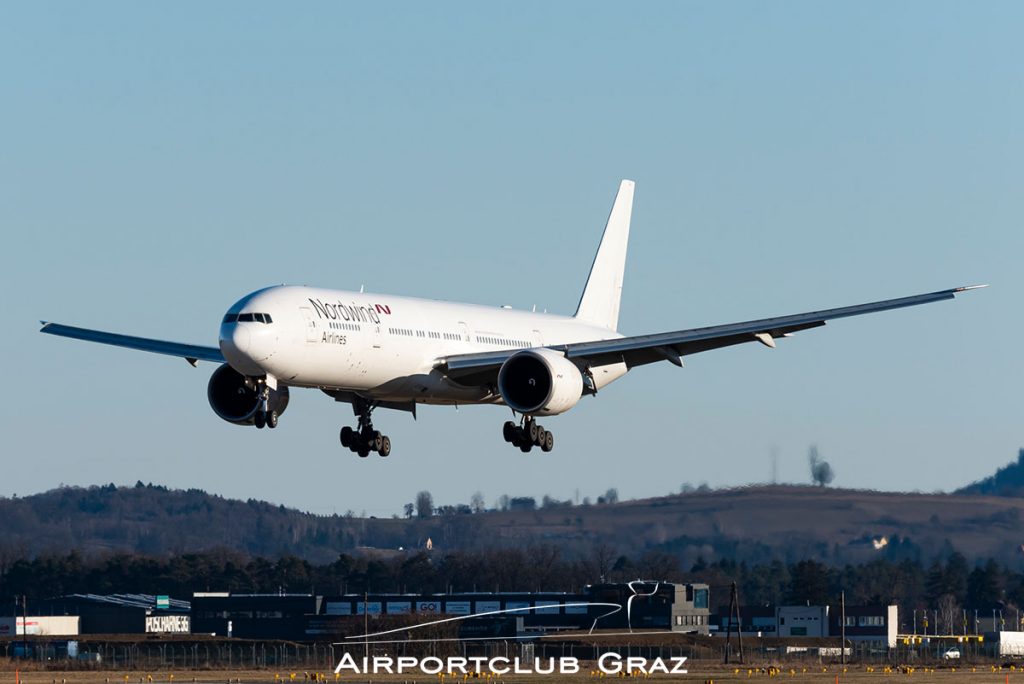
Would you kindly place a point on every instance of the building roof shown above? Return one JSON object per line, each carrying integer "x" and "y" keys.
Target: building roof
{"x": 146, "y": 601}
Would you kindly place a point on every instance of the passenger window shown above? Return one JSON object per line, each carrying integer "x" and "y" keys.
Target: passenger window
{"x": 267, "y": 318}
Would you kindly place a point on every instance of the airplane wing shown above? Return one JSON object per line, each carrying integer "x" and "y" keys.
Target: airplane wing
{"x": 190, "y": 352}
{"x": 671, "y": 346}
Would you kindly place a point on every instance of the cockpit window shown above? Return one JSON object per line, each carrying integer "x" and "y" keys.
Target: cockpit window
{"x": 248, "y": 318}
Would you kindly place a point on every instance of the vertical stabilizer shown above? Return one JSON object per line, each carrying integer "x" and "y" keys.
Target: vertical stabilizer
{"x": 600, "y": 301}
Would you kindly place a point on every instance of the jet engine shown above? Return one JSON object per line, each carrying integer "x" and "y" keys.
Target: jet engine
{"x": 540, "y": 382}
{"x": 235, "y": 398}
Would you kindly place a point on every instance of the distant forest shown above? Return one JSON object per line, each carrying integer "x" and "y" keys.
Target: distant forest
{"x": 1008, "y": 481}
{"x": 949, "y": 586}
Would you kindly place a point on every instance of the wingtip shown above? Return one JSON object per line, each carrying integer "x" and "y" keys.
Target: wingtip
{"x": 44, "y": 324}
{"x": 970, "y": 287}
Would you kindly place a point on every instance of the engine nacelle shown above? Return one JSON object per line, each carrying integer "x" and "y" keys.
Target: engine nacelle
{"x": 234, "y": 398}
{"x": 540, "y": 382}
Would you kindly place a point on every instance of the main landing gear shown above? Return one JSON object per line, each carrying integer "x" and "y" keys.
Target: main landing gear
{"x": 364, "y": 439}
{"x": 528, "y": 435}
{"x": 264, "y": 418}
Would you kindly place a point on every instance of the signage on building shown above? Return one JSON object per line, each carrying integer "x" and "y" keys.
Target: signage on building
{"x": 488, "y": 606}
{"x": 456, "y": 607}
{"x": 547, "y": 607}
{"x": 168, "y": 624}
{"x": 368, "y": 608}
{"x": 339, "y": 608}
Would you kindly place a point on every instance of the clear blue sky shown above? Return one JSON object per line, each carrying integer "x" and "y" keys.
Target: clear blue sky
{"x": 159, "y": 160}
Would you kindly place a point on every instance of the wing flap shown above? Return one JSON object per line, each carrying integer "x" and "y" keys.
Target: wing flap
{"x": 189, "y": 352}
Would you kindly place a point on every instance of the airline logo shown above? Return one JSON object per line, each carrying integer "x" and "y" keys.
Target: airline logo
{"x": 350, "y": 312}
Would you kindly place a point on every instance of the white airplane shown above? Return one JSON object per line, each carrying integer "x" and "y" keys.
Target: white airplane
{"x": 380, "y": 351}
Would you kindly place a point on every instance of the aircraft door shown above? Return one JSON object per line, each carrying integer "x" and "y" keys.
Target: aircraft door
{"x": 538, "y": 339}
{"x": 312, "y": 329}
{"x": 464, "y": 331}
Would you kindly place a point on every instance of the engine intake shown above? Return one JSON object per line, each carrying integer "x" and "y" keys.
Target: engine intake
{"x": 234, "y": 398}
{"x": 540, "y": 382}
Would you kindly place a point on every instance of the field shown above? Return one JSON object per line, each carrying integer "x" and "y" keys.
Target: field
{"x": 698, "y": 672}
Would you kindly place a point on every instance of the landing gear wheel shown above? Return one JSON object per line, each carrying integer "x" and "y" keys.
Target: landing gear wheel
{"x": 526, "y": 447}
{"x": 531, "y": 430}
{"x": 363, "y": 439}
{"x": 260, "y": 420}
{"x": 549, "y": 442}
{"x": 508, "y": 431}
{"x": 272, "y": 419}
{"x": 542, "y": 435}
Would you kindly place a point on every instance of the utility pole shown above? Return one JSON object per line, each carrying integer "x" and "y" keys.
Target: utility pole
{"x": 842, "y": 626}
{"x": 734, "y": 618}
{"x": 24, "y": 625}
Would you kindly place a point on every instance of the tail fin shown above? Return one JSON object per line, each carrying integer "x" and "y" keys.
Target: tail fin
{"x": 599, "y": 304}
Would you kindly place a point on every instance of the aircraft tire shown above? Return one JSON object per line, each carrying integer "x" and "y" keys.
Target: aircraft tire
{"x": 532, "y": 430}
{"x": 541, "y": 436}
{"x": 378, "y": 442}
{"x": 549, "y": 442}
{"x": 385, "y": 446}
{"x": 272, "y": 418}
{"x": 525, "y": 447}
{"x": 260, "y": 420}
{"x": 508, "y": 431}
{"x": 363, "y": 452}
{"x": 346, "y": 436}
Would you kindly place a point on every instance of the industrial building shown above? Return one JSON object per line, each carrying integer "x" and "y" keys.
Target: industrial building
{"x": 120, "y": 613}
{"x": 875, "y": 626}
{"x": 640, "y": 605}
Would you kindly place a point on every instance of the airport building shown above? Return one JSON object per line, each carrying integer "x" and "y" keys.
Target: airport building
{"x": 874, "y": 626}
{"x": 304, "y": 617}
{"x": 120, "y": 613}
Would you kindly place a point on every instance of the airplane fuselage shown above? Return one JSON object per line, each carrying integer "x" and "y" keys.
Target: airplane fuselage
{"x": 382, "y": 346}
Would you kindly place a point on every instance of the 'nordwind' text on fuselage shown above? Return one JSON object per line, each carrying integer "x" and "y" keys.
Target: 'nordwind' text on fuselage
{"x": 350, "y": 312}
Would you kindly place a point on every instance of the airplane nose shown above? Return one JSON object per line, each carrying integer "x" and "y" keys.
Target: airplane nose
{"x": 240, "y": 338}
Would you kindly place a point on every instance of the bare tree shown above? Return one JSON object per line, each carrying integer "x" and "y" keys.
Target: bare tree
{"x": 599, "y": 564}
{"x": 949, "y": 609}
{"x": 821, "y": 471}
{"x": 476, "y": 503}
{"x": 424, "y": 504}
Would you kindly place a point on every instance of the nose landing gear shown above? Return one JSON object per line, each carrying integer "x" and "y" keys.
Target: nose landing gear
{"x": 528, "y": 435}
{"x": 263, "y": 417}
{"x": 364, "y": 439}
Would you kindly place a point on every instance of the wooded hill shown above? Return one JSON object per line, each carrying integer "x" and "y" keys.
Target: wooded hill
{"x": 754, "y": 525}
